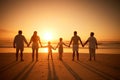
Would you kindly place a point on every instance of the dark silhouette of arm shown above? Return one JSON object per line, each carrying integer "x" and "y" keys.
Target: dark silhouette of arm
{"x": 25, "y": 40}
{"x": 81, "y": 41}
{"x": 85, "y": 42}
{"x": 96, "y": 43}
{"x": 57, "y": 46}
{"x": 65, "y": 44}
{"x": 70, "y": 42}
{"x": 52, "y": 47}
{"x": 40, "y": 42}
{"x": 30, "y": 41}
{"x": 14, "y": 42}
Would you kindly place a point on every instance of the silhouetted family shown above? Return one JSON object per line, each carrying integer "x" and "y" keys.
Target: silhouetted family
{"x": 35, "y": 40}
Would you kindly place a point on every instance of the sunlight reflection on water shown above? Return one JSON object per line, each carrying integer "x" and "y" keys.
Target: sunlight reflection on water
{"x": 66, "y": 50}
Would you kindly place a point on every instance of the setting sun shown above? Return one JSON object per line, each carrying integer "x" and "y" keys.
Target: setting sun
{"x": 48, "y": 36}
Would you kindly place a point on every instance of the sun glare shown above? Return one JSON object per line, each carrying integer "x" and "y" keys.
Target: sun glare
{"x": 48, "y": 36}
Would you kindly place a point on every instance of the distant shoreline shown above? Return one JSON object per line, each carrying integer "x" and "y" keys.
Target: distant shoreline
{"x": 79, "y": 47}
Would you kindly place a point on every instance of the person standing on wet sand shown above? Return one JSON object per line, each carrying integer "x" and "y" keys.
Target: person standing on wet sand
{"x": 50, "y": 47}
{"x": 92, "y": 45}
{"x": 19, "y": 44}
{"x": 75, "y": 39}
{"x": 35, "y": 45}
{"x": 60, "y": 48}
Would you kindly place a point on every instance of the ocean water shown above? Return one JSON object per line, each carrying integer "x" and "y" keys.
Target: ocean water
{"x": 104, "y": 47}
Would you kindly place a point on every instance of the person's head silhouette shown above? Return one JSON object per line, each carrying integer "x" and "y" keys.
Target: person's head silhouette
{"x": 60, "y": 39}
{"x": 35, "y": 32}
{"x": 75, "y": 33}
{"x": 19, "y": 32}
{"x": 92, "y": 34}
{"x": 49, "y": 42}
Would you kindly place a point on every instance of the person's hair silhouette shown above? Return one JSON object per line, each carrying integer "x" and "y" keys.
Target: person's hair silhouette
{"x": 35, "y": 40}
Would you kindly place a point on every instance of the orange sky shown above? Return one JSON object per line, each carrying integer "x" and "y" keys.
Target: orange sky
{"x": 60, "y": 18}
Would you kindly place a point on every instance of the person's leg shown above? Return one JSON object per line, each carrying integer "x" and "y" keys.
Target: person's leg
{"x": 90, "y": 52}
{"x": 94, "y": 58}
{"x": 90, "y": 57}
{"x": 21, "y": 54}
{"x": 59, "y": 49}
{"x": 77, "y": 55}
{"x": 33, "y": 51}
{"x": 61, "y": 56}
{"x": 73, "y": 55}
{"x": 61, "y": 53}
{"x": 36, "y": 54}
{"x": 17, "y": 51}
{"x": 48, "y": 56}
{"x": 51, "y": 56}
{"x": 94, "y": 55}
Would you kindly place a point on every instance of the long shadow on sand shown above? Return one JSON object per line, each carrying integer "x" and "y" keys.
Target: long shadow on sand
{"x": 55, "y": 77}
{"x": 97, "y": 71}
{"x": 49, "y": 71}
{"x": 8, "y": 66}
{"x": 28, "y": 72}
{"x": 74, "y": 74}
{"x": 108, "y": 65}
{"x": 17, "y": 77}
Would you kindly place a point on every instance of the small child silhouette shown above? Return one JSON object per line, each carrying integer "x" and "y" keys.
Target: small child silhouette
{"x": 49, "y": 46}
{"x": 60, "y": 48}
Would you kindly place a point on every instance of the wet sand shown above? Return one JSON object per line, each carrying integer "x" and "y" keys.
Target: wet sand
{"x": 106, "y": 67}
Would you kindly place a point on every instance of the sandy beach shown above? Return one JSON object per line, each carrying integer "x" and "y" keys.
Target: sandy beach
{"x": 106, "y": 67}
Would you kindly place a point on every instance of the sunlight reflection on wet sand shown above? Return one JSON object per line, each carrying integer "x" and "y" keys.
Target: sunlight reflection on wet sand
{"x": 66, "y": 50}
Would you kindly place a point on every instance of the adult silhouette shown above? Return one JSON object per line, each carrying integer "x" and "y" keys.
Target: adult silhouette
{"x": 92, "y": 45}
{"x": 35, "y": 40}
{"x": 75, "y": 39}
{"x": 19, "y": 44}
